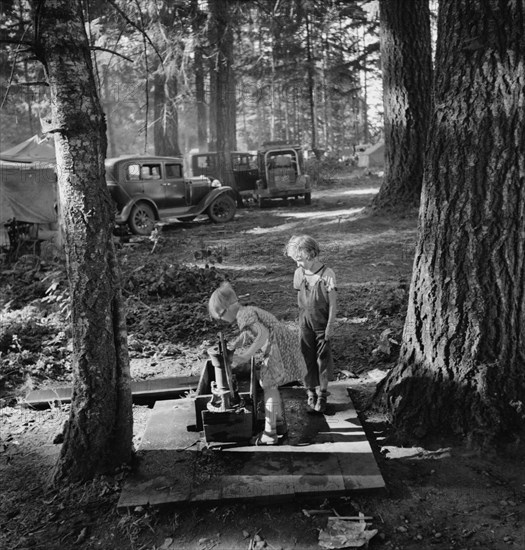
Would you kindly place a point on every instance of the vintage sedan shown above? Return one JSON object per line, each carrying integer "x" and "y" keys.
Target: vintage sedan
{"x": 147, "y": 189}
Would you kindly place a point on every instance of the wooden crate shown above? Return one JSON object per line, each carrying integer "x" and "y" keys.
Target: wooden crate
{"x": 224, "y": 427}
{"x": 227, "y": 427}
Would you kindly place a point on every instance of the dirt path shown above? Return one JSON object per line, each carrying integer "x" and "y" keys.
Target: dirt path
{"x": 444, "y": 497}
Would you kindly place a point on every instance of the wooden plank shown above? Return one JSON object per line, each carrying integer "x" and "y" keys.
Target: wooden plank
{"x": 155, "y": 388}
{"x": 166, "y": 428}
{"x": 323, "y": 455}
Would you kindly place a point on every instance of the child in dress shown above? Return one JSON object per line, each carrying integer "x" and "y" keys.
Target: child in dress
{"x": 283, "y": 361}
{"x": 317, "y": 299}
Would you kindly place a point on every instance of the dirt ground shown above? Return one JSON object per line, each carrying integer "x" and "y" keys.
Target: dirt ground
{"x": 443, "y": 496}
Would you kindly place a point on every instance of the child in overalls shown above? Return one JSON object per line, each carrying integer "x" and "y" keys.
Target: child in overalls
{"x": 282, "y": 358}
{"x": 317, "y": 299}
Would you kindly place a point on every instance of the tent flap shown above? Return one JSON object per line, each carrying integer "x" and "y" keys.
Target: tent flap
{"x": 28, "y": 194}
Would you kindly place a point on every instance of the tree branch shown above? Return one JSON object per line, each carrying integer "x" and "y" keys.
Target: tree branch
{"x": 100, "y": 49}
{"x": 135, "y": 26}
{"x": 36, "y": 83}
{"x": 16, "y": 42}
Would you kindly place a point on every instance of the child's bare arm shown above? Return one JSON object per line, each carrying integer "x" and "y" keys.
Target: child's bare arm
{"x": 332, "y": 313}
{"x": 261, "y": 337}
{"x": 240, "y": 341}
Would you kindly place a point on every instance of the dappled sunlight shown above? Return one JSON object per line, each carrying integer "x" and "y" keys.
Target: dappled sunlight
{"x": 347, "y": 212}
{"x": 367, "y": 191}
{"x": 275, "y": 228}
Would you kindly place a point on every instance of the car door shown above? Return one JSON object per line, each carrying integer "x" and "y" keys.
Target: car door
{"x": 177, "y": 190}
{"x": 147, "y": 180}
{"x": 245, "y": 171}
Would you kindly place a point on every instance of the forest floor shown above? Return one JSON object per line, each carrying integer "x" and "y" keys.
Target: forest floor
{"x": 440, "y": 496}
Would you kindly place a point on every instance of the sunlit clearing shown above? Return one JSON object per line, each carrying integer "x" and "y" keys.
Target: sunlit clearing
{"x": 275, "y": 228}
{"x": 320, "y": 215}
{"x": 368, "y": 191}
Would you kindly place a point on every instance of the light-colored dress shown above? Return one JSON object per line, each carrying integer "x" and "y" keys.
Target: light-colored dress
{"x": 283, "y": 361}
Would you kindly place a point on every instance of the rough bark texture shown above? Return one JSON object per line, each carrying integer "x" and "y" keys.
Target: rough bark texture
{"x": 225, "y": 106}
{"x": 166, "y": 118}
{"x": 198, "y": 21}
{"x": 98, "y": 436}
{"x": 407, "y": 74}
{"x": 166, "y": 124}
{"x": 462, "y": 362}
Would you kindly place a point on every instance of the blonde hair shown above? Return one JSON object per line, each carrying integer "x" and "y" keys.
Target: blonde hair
{"x": 302, "y": 245}
{"x": 221, "y": 299}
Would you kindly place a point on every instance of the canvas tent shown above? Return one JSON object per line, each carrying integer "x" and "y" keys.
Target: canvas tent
{"x": 28, "y": 183}
{"x": 34, "y": 149}
{"x": 373, "y": 157}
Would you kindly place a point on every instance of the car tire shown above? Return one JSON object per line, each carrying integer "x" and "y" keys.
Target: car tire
{"x": 222, "y": 209}
{"x": 141, "y": 221}
{"x": 308, "y": 198}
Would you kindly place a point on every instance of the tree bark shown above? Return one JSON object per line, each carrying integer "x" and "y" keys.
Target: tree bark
{"x": 198, "y": 21}
{"x": 225, "y": 106}
{"x": 98, "y": 436}
{"x": 166, "y": 123}
{"x": 462, "y": 362}
{"x": 406, "y": 64}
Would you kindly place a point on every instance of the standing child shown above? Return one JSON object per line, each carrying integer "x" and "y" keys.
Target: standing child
{"x": 282, "y": 362}
{"x": 317, "y": 299}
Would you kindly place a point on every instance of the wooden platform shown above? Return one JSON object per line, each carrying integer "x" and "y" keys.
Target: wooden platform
{"x": 322, "y": 455}
{"x": 142, "y": 391}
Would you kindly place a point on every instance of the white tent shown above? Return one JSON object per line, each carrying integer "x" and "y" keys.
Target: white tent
{"x": 28, "y": 189}
{"x": 373, "y": 157}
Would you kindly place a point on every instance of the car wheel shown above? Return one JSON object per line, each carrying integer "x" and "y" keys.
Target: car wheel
{"x": 308, "y": 198}
{"x": 142, "y": 219}
{"x": 222, "y": 209}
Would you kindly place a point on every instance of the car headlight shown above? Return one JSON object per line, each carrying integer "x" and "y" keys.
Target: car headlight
{"x": 216, "y": 183}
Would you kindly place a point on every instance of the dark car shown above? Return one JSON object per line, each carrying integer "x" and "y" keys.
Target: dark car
{"x": 276, "y": 172}
{"x": 242, "y": 164}
{"x": 147, "y": 189}
{"x": 281, "y": 173}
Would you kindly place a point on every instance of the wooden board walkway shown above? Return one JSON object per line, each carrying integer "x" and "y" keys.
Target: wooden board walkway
{"x": 141, "y": 390}
{"x": 322, "y": 455}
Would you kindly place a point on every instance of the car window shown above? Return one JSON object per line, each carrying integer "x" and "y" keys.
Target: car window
{"x": 133, "y": 172}
{"x": 280, "y": 160}
{"x": 205, "y": 161}
{"x": 173, "y": 170}
{"x": 150, "y": 172}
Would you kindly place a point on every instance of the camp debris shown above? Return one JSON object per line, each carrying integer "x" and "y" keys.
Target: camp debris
{"x": 341, "y": 532}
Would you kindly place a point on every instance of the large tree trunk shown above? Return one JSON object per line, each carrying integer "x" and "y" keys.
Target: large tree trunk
{"x": 198, "y": 21}
{"x": 462, "y": 362}
{"x": 225, "y": 105}
{"x": 407, "y": 73}
{"x": 166, "y": 123}
{"x": 98, "y": 436}
{"x": 166, "y": 117}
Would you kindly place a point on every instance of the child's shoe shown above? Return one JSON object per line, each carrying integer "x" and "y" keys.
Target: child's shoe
{"x": 265, "y": 438}
{"x": 320, "y": 406}
{"x": 281, "y": 427}
{"x": 311, "y": 400}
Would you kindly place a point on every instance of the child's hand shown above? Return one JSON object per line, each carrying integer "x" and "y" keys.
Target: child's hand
{"x": 238, "y": 359}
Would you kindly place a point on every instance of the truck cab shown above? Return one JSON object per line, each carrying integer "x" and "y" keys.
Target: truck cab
{"x": 281, "y": 173}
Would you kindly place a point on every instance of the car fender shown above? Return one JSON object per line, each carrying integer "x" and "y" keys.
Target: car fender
{"x": 123, "y": 216}
{"x": 304, "y": 179}
{"x": 205, "y": 203}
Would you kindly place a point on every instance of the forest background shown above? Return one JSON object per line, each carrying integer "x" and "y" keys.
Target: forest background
{"x": 468, "y": 269}
{"x": 306, "y": 73}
